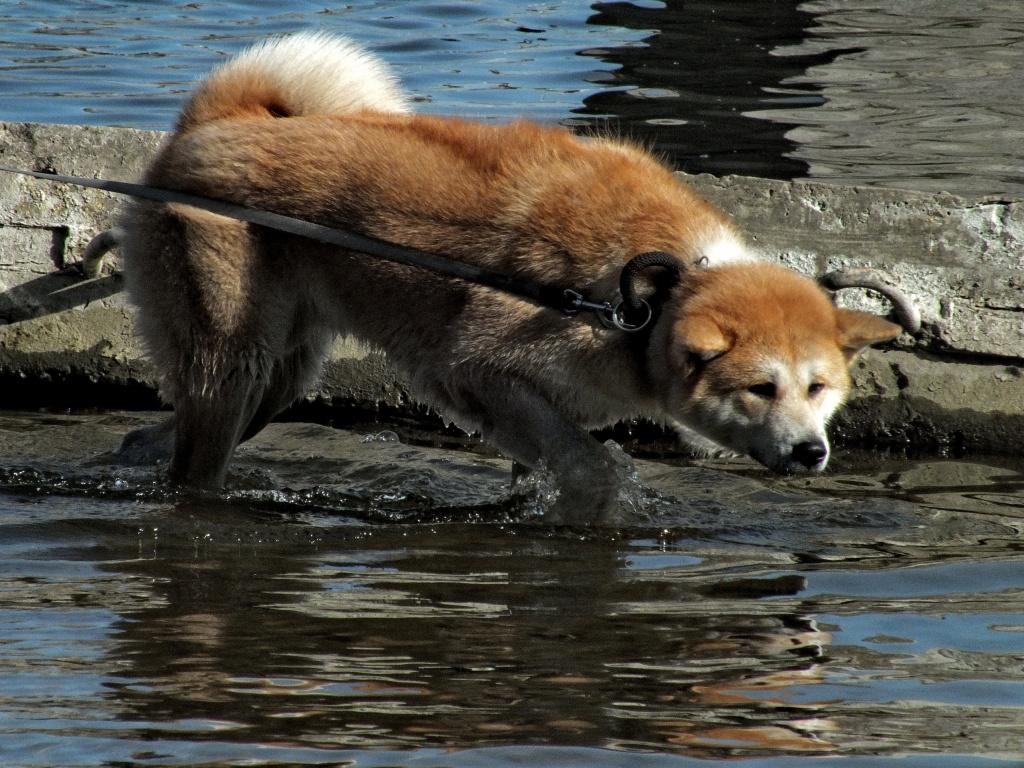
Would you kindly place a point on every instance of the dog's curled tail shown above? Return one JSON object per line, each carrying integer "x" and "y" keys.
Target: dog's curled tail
{"x": 307, "y": 73}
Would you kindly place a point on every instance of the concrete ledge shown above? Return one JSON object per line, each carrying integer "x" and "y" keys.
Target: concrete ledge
{"x": 960, "y": 386}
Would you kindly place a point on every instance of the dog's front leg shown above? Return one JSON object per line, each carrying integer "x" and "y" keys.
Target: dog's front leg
{"x": 528, "y": 428}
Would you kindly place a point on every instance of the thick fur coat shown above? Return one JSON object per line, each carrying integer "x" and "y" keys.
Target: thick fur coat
{"x": 237, "y": 318}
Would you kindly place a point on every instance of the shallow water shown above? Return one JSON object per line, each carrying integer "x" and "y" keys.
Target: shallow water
{"x": 358, "y": 600}
{"x": 920, "y": 94}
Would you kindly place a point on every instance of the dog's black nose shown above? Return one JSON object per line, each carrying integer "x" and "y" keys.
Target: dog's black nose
{"x": 810, "y": 453}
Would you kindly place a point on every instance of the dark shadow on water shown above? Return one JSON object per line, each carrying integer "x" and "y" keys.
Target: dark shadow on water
{"x": 690, "y": 89}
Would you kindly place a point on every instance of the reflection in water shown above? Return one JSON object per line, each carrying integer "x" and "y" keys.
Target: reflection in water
{"x": 929, "y": 97}
{"x": 876, "y": 610}
{"x": 920, "y": 95}
{"x": 687, "y": 90}
{"x": 457, "y": 637}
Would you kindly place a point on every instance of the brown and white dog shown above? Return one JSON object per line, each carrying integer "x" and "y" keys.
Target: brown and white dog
{"x": 237, "y": 318}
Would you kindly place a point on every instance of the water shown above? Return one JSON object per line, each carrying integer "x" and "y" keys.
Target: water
{"x": 920, "y": 94}
{"x": 355, "y": 599}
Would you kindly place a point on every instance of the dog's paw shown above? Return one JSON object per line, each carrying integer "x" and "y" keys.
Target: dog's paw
{"x": 145, "y": 446}
{"x": 700, "y": 447}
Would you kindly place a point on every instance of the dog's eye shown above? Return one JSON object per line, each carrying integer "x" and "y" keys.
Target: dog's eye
{"x": 765, "y": 389}
{"x": 815, "y": 388}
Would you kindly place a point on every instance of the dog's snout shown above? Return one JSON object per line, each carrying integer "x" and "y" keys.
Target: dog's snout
{"x": 810, "y": 453}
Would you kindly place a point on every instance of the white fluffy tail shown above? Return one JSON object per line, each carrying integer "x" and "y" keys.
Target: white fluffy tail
{"x": 308, "y": 73}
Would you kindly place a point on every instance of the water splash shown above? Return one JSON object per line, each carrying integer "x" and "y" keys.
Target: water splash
{"x": 634, "y": 499}
{"x": 534, "y": 492}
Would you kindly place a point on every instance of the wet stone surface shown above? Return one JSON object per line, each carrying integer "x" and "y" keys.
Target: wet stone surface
{"x": 355, "y": 597}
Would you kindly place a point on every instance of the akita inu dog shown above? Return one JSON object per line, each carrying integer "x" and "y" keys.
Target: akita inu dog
{"x": 237, "y": 318}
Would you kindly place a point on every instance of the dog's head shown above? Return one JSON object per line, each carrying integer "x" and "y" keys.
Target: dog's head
{"x": 758, "y": 360}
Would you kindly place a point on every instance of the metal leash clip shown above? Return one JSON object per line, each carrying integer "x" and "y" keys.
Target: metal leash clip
{"x": 610, "y": 315}
{"x": 573, "y": 302}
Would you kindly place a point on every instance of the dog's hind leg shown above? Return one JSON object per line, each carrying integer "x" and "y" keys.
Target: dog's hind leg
{"x": 208, "y": 427}
{"x": 290, "y": 378}
{"x": 527, "y": 428}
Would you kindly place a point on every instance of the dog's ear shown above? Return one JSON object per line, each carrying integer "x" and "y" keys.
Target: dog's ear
{"x": 697, "y": 339}
{"x": 858, "y": 330}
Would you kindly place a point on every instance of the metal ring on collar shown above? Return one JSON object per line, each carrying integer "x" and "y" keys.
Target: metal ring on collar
{"x": 616, "y": 318}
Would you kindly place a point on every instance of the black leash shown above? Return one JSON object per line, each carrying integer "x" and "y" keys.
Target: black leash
{"x": 631, "y": 314}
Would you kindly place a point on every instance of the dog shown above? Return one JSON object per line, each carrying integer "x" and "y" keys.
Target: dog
{"x": 237, "y": 318}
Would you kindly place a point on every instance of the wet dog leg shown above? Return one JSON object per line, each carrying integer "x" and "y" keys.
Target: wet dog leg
{"x": 155, "y": 444}
{"x": 289, "y": 380}
{"x": 530, "y": 430}
{"x": 208, "y": 427}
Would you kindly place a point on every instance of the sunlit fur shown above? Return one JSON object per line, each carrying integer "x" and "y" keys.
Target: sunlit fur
{"x": 305, "y": 74}
{"x": 236, "y": 319}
